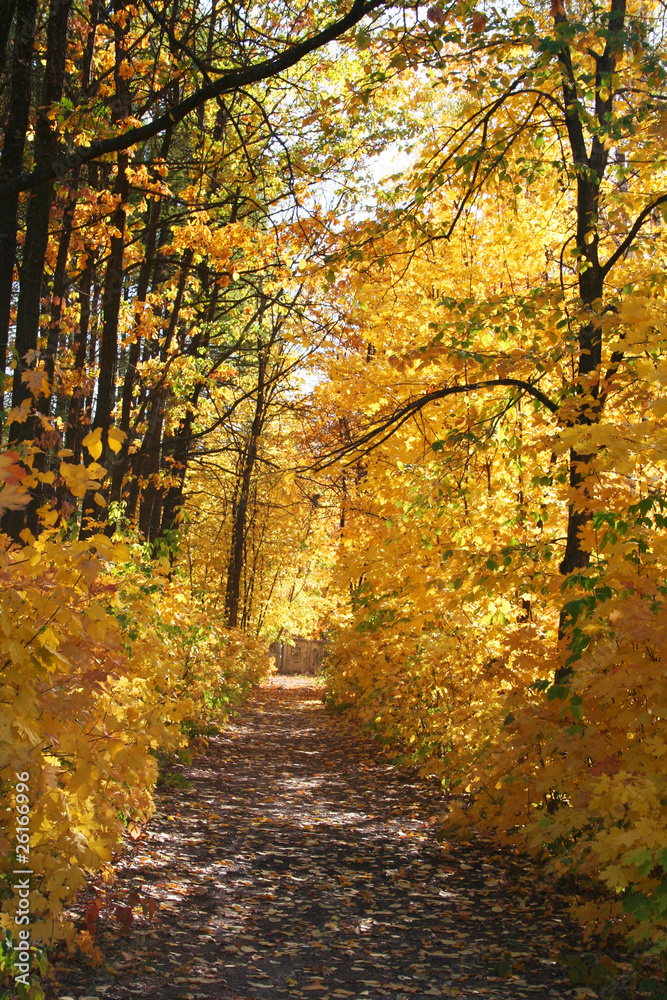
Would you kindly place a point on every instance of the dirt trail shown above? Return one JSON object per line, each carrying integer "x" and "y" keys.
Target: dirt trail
{"x": 299, "y": 863}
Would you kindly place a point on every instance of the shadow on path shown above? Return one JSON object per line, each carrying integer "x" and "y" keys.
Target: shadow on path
{"x": 299, "y": 863}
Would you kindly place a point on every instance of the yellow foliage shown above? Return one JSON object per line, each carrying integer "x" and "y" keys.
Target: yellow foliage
{"x": 106, "y": 663}
{"x": 537, "y": 696}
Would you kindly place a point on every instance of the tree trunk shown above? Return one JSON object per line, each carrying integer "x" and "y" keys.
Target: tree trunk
{"x": 590, "y": 169}
{"x": 111, "y": 299}
{"x": 147, "y": 267}
{"x": 176, "y": 448}
{"x": 240, "y": 507}
{"x": 7, "y": 8}
{"x": 74, "y": 431}
{"x": 58, "y": 293}
{"x": 108, "y": 347}
{"x": 34, "y": 251}
{"x": 39, "y": 210}
{"x": 12, "y": 157}
{"x": 114, "y": 275}
{"x": 151, "y": 504}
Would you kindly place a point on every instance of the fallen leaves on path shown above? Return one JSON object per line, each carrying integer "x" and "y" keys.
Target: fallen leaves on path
{"x": 298, "y": 862}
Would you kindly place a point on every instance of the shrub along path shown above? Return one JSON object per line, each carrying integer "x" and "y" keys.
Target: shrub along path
{"x": 298, "y": 862}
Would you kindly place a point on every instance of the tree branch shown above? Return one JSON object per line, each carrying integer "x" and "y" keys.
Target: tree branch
{"x": 390, "y": 425}
{"x": 227, "y": 83}
{"x": 627, "y": 242}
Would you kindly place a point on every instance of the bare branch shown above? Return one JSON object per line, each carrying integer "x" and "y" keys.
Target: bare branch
{"x": 637, "y": 225}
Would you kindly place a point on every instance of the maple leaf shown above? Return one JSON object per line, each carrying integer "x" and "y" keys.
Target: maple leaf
{"x": 10, "y": 469}
{"x": 37, "y": 382}
{"x": 13, "y": 497}
{"x": 19, "y": 414}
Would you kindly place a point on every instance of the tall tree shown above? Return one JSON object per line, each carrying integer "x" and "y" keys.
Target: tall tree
{"x": 15, "y": 131}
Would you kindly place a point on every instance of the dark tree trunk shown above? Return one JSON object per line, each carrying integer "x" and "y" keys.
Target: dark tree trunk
{"x": 39, "y": 209}
{"x": 12, "y": 157}
{"x": 60, "y": 273}
{"x": 587, "y": 411}
{"x": 111, "y": 299}
{"x": 240, "y": 508}
{"x": 113, "y": 278}
{"x": 34, "y": 251}
{"x": 108, "y": 347}
{"x": 151, "y": 504}
{"x": 74, "y": 431}
{"x": 58, "y": 292}
{"x": 7, "y": 8}
{"x": 147, "y": 267}
{"x": 134, "y": 352}
{"x": 150, "y": 463}
{"x": 590, "y": 167}
{"x": 175, "y": 454}
{"x": 176, "y": 448}
{"x": 586, "y": 407}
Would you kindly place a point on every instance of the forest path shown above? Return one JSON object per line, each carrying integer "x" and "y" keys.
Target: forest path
{"x": 298, "y": 862}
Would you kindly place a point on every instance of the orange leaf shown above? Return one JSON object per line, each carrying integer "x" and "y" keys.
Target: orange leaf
{"x": 13, "y": 497}
{"x": 10, "y": 470}
{"x": 93, "y": 912}
{"x": 125, "y": 916}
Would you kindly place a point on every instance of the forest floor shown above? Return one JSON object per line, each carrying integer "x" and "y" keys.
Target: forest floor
{"x": 292, "y": 859}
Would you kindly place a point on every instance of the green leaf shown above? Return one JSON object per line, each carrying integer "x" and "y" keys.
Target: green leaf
{"x": 576, "y": 707}
{"x": 638, "y": 905}
{"x": 503, "y": 968}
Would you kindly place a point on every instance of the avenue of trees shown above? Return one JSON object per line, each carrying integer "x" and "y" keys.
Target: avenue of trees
{"x": 345, "y": 317}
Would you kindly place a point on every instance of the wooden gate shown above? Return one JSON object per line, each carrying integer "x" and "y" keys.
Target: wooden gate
{"x": 299, "y": 656}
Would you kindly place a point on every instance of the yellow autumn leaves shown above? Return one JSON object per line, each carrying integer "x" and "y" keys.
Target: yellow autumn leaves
{"x": 539, "y": 697}
{"x": 98, "y": 678}
{"x": 93, "y": 441}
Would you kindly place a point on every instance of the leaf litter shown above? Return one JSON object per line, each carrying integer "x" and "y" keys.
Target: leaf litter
{"x": 295, "y": 860}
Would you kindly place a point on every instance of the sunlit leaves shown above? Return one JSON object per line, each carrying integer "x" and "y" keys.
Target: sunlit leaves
{"x": 97, "y": 647}
{"x": 540, "y": 697}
